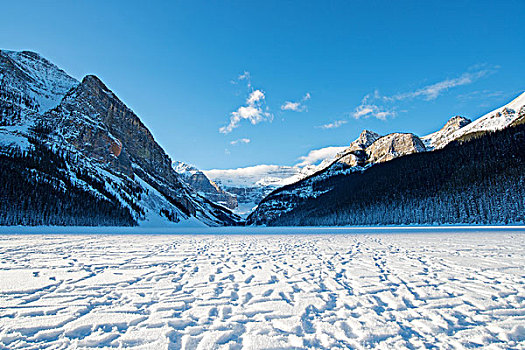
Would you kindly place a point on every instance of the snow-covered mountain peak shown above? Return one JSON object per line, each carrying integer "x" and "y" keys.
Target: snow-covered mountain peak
{"x": 367, "y": 137}
{"x": 31, "y": 75}
{"x": 198, "y": 181}
{"x": 441, "y": 137}
{"x": 457, "y": 122}
{"x": 184, "y": 169}
{"x": 498, "y": 119}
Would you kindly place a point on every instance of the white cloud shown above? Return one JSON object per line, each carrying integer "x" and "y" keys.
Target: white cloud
{"x": 244, "y": 140}
{"x": 371, "y": 110}
{"x": 291, "y": 106}
{"x": 244, "y": 76}
{"x": 255, "y": 96}
{"x": 382, "y": 107}
{"x": 333, "y": 125}
{"x": 431, "y": 92}
{"x": 254, "y": 112}
{"x": 296, "y": 106}
{"x": 321, "y": 154}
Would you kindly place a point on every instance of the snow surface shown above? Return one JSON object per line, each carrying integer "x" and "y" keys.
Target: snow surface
{"x": 362, "y": 288}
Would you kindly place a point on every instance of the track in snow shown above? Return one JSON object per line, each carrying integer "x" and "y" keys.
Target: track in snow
{"x": 254, "y": 292}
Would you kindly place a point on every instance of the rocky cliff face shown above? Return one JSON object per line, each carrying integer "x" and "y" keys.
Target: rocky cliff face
{"x": 392, "y": 146}
{"x": 100, "y": 138}
{"x": 355, "y": 154}
{"x": 365, "y": 139}
{"x": 371, "y": 148}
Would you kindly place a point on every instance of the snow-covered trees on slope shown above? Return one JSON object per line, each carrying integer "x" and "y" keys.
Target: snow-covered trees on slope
{"x": 36, "y": 189}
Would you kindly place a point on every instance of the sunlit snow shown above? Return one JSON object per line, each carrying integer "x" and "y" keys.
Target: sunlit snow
{"x": 324, "y": 288}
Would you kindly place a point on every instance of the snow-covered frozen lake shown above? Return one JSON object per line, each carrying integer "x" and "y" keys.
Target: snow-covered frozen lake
{"x": 331, "y": 288}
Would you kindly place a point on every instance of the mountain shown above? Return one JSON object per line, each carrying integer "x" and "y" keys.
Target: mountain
{"x": 310, "y": 197}
{"x": 498, "y": 119}
{"x": 381, "y": 149}
{"x": 29, "y": 84}
{"x": 251, "y": 184}
{"x": 197, "y": 180}
{"x": 442, "y": 137}
{"x": 480, "y": 181}
{"x": 72, "y": 153}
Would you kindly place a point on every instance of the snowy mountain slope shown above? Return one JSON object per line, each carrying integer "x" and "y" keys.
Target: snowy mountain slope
{"x": 105, "y": 150}
{"x": 443, "y": 136}
{"x": 197, "y": 180}
{"x": 29, "y": 83}
{"x": 498, "y": 119}
{"x": 29, "y": 86}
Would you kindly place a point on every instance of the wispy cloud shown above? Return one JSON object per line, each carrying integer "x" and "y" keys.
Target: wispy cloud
{"x": 254, "y": 110}
{"x": 431, "y": 92}
{"x": 244, "y": 140}
{"x": 244, "y": 76}
{"x": 333, "y": 125}
{"x": 381, "y": 106}
{"x": 296, "y": 106}
{"x": 366, "y": 110}
{"x": 480, "y": 95}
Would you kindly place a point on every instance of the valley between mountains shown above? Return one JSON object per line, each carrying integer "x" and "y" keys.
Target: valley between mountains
{"x": 72, "y": 153}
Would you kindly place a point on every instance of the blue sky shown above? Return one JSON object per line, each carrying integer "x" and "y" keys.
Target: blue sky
{"x": 225, "y": 84}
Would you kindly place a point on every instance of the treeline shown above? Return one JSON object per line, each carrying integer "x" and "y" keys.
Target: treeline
{"x": 35, "y": 189}
{"x": 481, "y": 181}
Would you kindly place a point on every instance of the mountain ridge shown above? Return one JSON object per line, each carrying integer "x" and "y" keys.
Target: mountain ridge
{"x": 382, "y": 150}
